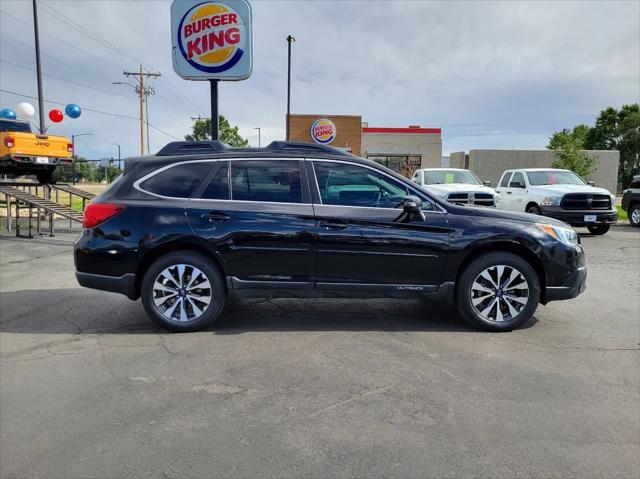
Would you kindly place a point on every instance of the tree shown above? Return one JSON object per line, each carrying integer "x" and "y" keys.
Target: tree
{"x": 228, "y": 134}
{"x": 578, "y": 134}
{"x": 619, "y": 130}
{"x": 569, "y": 156}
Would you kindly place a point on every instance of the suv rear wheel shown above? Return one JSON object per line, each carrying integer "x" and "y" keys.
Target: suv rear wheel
{"x": 183, "y": 291}
{"x": 498, "y": 292}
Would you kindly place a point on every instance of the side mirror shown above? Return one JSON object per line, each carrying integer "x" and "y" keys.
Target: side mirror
{"x": 515, "y": 184}
{"x": 411, "y": 210}
{"x": 591, "y": 183}
{"x": 486, "y": 183}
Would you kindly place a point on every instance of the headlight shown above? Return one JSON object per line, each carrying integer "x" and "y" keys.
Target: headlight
{"x": 567, "y": 236}
{"x": 613, "y": 201}
{"x": 551, "y": 201}
{"x": 497, "y": 199}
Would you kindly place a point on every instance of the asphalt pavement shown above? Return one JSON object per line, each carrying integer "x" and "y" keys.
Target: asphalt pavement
{"x": 316, "y": 388}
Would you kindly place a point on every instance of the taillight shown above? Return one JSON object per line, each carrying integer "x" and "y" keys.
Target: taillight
{"x": 9, "y": 142}
{"x": 70, "y": 147}
{"x": 98, "y": 213}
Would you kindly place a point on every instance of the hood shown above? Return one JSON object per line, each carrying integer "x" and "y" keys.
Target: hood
{"x": 559, "y": 190}
{"x": 504, "y": 215}
{"x": 446, "y": 188}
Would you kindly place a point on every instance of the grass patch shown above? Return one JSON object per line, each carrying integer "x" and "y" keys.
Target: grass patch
{"x": 622, "y": 214}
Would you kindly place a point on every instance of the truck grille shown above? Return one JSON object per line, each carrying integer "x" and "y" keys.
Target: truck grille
{"x": 480, "y": 199}
{"x": 585, "y": 201}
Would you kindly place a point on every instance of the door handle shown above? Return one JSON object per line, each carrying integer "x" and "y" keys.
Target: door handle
{"x": 334, "y": 224}
{"x": 508, "y": 192}
{"x": 215, "y": 216}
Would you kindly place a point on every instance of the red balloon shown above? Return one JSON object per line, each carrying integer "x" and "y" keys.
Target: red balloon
{"x": 56, "y": 116}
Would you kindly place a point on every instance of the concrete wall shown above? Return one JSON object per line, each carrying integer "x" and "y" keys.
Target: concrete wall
{"x": 456, "y": 160}
{"x": 490, "y": 164}
{"x": 428, "y": 146}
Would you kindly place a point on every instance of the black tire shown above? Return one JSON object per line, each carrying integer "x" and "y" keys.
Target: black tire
{"x": 48, "y": 177}
{"x": 598, "y": 229}
{"x": 634, "y": 212}
{"x": 534, "y": 210}
{"x": 216, "y": 292}
{"x": 466, "y": 293}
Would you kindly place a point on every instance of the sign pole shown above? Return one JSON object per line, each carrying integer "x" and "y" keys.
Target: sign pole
{"x": 215, "y": 126}
{"x": 38, "y": 68}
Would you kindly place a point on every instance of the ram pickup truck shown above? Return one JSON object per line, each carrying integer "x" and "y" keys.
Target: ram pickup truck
{"x": 25, "y": 153}
{"x": 455, "y": 185}
{"x": 559, "y": 194}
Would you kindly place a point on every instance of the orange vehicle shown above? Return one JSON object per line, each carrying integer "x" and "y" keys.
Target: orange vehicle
{"x": 23, "y": 152}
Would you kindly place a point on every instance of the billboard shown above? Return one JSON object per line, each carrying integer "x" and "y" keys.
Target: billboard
{"x": 211, "y": 39}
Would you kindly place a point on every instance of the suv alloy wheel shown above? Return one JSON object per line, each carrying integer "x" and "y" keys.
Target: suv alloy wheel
{"x": 498, "y": 292}
{"x": 183, "y": 291}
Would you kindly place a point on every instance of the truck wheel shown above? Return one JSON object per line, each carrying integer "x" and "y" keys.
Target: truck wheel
{"x": 48, "y": 176}
{"x": 498, "y": 292}
{"x": 183, "y": 291}
{"x": 534, "y": 210}
{"x": 598, "y": 229}
{"x": 634, "y": 215}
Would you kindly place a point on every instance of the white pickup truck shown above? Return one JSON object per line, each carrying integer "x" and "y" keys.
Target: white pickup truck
{"x": 559, "y": 194}
{"x": 456, "y": 185}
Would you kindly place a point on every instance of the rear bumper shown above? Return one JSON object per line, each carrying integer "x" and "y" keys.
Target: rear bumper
{"x": 29, "y": 163}
{"x": 576, "y": 217}
{"x": 125, "y": 284}
{"x": 575, "y": 284}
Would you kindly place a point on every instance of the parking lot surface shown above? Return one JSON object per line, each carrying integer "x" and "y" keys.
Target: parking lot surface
{"x": 316, "y": 388}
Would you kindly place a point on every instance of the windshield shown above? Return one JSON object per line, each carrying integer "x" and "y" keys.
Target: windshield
{"x": 439, "y": 177}
{"x": 20, "y": 126}
{"x": 554, "y": 177}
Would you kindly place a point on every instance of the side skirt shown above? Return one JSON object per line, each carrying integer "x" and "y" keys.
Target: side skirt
{"x": 239, "y": 289}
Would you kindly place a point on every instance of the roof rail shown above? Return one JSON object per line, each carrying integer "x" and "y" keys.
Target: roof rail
{"x": 199, "y": 147}
{"x": 191, "y": 148}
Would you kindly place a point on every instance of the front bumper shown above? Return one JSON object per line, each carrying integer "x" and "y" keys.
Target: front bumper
{"x": 124, "y": 284}
{"x": 576, "y": 217}
{"x": 575, "y": 284}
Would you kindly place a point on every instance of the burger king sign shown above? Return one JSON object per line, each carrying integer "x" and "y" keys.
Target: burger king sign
{"x": 323, "y": 131}
{"x": 211, "y": 39}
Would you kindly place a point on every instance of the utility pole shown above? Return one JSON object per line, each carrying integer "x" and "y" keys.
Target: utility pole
{"x": 38, "y": 68}
{"x": 290, "y": 39}
{"x": 119, "y": 156}
{"x": 142, "y": 94}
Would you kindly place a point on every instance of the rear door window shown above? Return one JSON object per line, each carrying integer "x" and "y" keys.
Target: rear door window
{"x": 274, "y": 181}
{"x": 178, "y": 181}
{"x": 218, "y": 187}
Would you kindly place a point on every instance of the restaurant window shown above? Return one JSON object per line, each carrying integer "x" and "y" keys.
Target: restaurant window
{"x": 406, "y": 165}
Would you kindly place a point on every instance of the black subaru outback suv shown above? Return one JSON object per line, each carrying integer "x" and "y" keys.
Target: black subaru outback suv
{"x": 199, "y": 224}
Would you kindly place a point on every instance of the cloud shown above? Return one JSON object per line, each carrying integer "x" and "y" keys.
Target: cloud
{"x": 491, "y": 74}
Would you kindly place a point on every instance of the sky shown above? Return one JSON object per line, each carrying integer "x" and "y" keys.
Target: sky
{"x": 503, "y": 74}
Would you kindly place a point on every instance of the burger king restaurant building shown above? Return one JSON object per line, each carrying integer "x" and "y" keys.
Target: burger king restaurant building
{"x": 402, "y": 149}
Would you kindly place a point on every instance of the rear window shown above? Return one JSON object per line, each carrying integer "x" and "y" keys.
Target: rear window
{"x": 178, "y": 181}
{"x": 19, "y": 126}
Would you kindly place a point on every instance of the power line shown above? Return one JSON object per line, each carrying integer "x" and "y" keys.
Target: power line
{"x": 65, "y": 80}
{"x": 102, "y": 59}
{"x": 63, "y": 18}
{"x": 119, "y": 115}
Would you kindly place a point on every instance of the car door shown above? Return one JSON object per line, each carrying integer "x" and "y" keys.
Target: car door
{"x": 517, "y": 192}
{"x": 503, "y": 189}
{"x": 257, "y": 215}
{"x": 359, "y": 241}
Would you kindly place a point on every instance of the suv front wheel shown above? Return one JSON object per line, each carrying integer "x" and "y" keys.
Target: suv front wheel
{"x": 183, "y": 291}
{"x": 498, "y": 292}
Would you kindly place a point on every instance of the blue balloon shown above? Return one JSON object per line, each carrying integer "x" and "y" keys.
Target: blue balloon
{"x": 8, "y": 113}
{"x": 72, "y": 110}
